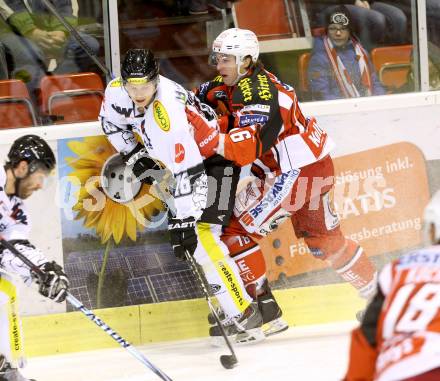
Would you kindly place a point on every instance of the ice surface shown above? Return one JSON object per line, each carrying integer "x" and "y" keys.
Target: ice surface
{"x": 316, "y": 353}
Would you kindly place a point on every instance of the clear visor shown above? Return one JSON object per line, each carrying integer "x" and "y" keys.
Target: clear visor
{"x": 216, "y": 58}
{"x": 43, "y": 177}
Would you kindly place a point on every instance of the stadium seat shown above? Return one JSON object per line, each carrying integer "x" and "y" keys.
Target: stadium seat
{"x": 392, "y": 64}
{"x": 303, "y": 63}
{"x": 16, "y": 109}
{"x": 68, "y": 98}
{"x": 394, "y": 75}
{"x": 318, "y": 32}
{"x": 268, "y": 19}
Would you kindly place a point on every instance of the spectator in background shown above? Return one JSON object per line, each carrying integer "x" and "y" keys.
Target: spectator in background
{"x": 434, "y": 72}
{"x": 38, "y": 42}
{"x": 432, "y": 16}
{"x": 200, "y": 7}
{"x": 434, "y": 66}
{"x": 339, "y": 66}
{"x": 378, "y": 22}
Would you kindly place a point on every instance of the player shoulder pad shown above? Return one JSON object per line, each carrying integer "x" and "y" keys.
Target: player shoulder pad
{"x": 169, "y": 105}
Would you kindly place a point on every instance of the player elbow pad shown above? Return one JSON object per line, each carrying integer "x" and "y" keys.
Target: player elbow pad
{"x": 240, "y": 145}
{"x": 11, "y": 263}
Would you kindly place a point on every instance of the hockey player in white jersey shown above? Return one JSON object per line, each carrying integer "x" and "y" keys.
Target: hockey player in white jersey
{"x": 399, "y": 337}
{"x": 29, "y": 163}
{"x": 143, "y": 102}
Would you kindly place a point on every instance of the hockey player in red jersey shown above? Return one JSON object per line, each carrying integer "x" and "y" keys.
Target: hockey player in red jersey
{"x": 262, "y": 125}
{"x": 30, "y": 161}
{"x": 399, "y": 337}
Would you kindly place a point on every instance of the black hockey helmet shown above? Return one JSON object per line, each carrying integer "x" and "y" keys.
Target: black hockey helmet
{"x": 139, "y": 63}
{"x": 34, "y": 150}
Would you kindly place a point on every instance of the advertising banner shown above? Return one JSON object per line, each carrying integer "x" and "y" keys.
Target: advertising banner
{"x": 117, "y": 253}
{"x": 379, "y": 196}
{"x": 116, "y": 246}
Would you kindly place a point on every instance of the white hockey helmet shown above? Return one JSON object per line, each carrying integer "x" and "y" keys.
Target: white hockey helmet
{"x": 237, "y": 42}
{"x": 431, "y": 220}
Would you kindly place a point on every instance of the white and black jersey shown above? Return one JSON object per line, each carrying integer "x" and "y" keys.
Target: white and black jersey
{"x": 15, "y": 227}
{"x": 166, "y": 135}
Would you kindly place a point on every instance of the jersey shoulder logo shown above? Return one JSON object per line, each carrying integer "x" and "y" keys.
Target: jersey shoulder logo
{"x": 116, "y": 83}
{"x": 161, "y": 116}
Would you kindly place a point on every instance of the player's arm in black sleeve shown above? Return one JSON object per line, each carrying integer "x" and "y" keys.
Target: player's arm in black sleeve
{"x": 258, "y": 122}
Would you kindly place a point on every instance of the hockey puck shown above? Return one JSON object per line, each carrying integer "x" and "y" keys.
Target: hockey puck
{"x": 228, "y": 361}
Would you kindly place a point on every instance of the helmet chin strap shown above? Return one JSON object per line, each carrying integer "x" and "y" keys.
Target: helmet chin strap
{"x": 142, "y": 109}
{"x": 17, "y": 181}
{"x": 151, "y": 100}
{"x": 240, "y": 75}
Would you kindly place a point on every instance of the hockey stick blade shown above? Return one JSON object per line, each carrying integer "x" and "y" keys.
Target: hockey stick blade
{"x": 90, "y": 315}
{"x": 227, "y": 361}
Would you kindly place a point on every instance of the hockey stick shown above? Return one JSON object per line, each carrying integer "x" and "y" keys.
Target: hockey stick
{"x": 89, "y": 314}
{"x": 228, "y": 361}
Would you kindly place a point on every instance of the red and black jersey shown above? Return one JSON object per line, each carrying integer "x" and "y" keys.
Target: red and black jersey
{"x": 400, "y": 334}
{"x": 266, "y": 126}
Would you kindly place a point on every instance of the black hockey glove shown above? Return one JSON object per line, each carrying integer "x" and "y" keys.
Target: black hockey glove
{"x": 144, "y": 167}
{"x": 182, "y": 236}
{"x": 54, "y": 283}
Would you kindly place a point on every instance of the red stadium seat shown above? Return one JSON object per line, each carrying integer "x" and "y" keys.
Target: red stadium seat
{"x": 303, "y": 64}
{"x": 268, "y": 19}
{"x": 392, "y": 64}
{"x": 72, "y": 97}
{"x": 16, "y": 109}
{"x": 318, "y": 32}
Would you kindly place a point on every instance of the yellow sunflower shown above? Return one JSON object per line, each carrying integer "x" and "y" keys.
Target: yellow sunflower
{"x": 109, "y": 218}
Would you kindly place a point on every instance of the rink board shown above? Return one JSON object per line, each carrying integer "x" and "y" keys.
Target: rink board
{"x": 373, "y": 124}
{"x": 72, "y": 332}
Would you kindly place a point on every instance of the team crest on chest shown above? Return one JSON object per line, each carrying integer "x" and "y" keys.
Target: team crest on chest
{"x": 161, "y": 116}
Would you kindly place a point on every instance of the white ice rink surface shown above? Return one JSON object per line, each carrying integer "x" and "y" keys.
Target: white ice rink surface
{"x": 316, "y": 353}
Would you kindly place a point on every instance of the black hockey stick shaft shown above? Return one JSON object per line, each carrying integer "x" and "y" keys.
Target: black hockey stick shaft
{"x": 89, "y": 314}
{"x": 204, "y": 289}
{"x": 77, "y": 36}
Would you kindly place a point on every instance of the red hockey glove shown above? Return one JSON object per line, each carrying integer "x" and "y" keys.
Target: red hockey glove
{"x": 205, "y": 133}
